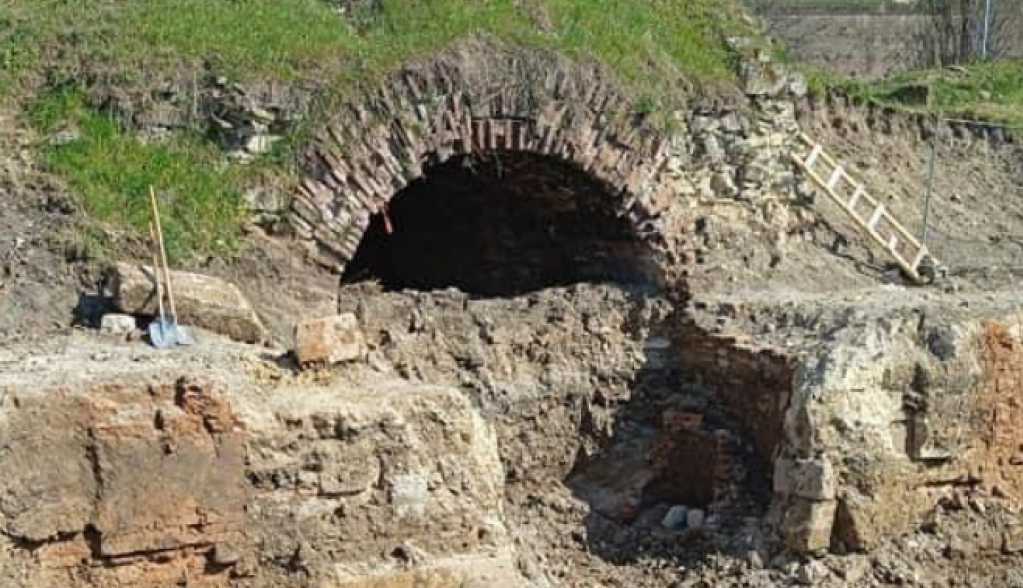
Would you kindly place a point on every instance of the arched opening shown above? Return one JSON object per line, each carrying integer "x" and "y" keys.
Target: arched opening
{"x": 501, "y": 225}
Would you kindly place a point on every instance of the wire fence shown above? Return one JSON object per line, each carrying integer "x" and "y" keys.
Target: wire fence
{"x": 947, "y": 243}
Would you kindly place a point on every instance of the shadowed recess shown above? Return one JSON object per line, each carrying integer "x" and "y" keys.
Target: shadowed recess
{"x": 501, "y": 226}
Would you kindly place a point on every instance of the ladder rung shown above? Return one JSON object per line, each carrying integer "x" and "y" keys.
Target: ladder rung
{"x": 835, "y": 177}
{"x": 876, "y": 217}
{"x": 855, "y": 199}
{"x": 812, "y": 158}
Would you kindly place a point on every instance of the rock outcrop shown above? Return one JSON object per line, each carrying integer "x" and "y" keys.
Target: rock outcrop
{"x": 164, "y": 471}
{"x": 202, "y": 301}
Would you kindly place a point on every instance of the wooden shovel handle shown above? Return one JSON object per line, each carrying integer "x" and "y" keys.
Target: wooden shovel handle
{"x": 163, "y": 255}
{"x": 156, "y": 272}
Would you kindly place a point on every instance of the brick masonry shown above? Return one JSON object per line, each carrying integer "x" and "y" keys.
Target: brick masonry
{"x": 426, "y": 115}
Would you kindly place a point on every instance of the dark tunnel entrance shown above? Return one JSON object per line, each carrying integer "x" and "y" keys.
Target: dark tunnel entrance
{"x": 502, "y": 225}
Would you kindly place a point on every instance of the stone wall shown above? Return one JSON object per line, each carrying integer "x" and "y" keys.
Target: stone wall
{"x": 890, "y": 419}
{"x": 870, "y": 43}
{"x": 144, "y": 477}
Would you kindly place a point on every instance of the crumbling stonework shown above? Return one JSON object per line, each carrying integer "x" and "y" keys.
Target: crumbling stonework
{"x": 460, "y": 105}
{"x": 138, "y": 476}
{"x": 107, "y": 480}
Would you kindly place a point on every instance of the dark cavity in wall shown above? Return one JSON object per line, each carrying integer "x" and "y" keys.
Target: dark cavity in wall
{"x": 502, "y": 226}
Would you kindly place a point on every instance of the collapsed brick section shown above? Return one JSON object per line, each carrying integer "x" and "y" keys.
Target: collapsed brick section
{"x": 998, "y": 410}
{"x": 755, "y": 384}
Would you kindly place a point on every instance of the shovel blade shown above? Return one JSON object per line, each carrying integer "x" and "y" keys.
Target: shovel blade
{"x": 162, "y": 335}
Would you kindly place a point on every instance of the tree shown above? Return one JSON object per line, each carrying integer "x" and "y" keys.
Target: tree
{"x": 955, "y": 30}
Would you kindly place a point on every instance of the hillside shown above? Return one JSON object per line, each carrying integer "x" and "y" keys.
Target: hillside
{"x": 504, "y": 294}
{"x": 110, "y": 74}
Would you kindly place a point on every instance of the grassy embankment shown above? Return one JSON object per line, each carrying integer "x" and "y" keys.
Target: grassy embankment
{"x": 991, "y": 91}
{"x": 51, "y": 49}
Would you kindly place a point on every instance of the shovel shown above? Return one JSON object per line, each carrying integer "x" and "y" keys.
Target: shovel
{"x": 170, "y": 333}
{"x": 161, "y": 333}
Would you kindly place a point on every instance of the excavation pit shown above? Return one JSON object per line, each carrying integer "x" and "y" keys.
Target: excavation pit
{"x": 519, "y": 278}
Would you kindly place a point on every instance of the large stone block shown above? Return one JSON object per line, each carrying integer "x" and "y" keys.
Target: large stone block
{"x": 329, "y": 340}
{"x": 813, "y": 479}
{"x": 807, "y": 525}
{"x": 202, "y": 301}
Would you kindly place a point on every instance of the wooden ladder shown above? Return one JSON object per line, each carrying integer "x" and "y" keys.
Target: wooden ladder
{"x": 879, "y": 224}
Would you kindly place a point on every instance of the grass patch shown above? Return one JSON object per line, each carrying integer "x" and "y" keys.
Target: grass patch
{"x": 990, "y": 91}
{"x": 308, "y": 39}
{"x": 110, "y": 173}
{"x": 653, "y": 46}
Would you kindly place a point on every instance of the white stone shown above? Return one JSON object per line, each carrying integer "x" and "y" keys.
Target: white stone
{"x": 695, "y": 518}
{"x": 677, "y": 518}
{"x": 117, "y": 324}
{"x": 259, "y": 144}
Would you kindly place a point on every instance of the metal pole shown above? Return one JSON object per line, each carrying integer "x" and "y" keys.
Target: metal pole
{"x": 987, "y": 30}
{"x": 931, "y": 99}
{"x": 930, "y": 180}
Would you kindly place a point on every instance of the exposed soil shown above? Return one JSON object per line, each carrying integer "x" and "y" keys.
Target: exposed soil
{"x": 600, "y": 429}
{"x": 975, "y": 223}
{"x": 38, "y": 286}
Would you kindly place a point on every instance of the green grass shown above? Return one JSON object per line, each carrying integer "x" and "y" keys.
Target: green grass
{"x": 991, "y": 91}
{"x": 308, "y": 39}
{"x": 657, "y": 48}
{"x": 110, "y": 173}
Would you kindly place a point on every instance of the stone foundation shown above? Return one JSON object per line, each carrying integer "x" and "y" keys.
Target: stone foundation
{"x": 145, "y": 477}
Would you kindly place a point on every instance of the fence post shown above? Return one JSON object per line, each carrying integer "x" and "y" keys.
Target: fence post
{"x": 987, "y": 30}
{"x": 932, "y": 165}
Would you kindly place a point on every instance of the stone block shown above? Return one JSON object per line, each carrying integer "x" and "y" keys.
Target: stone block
{"x": 117, "y": 325}
{"x": 813, "y": 479}
{"x": 807, "y": 525}
{"x": 202, "y": 301}
{"x": 329, "y": 340}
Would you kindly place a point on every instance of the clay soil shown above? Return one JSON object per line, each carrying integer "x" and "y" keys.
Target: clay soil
{"x": 565, "y": 463}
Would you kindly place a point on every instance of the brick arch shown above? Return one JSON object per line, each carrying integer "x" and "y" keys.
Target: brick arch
{"x": 475, "y": 99}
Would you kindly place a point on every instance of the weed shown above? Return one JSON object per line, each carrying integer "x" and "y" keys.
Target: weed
{"x": 991, "y": 91}
{"x": 110, "y": 173}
